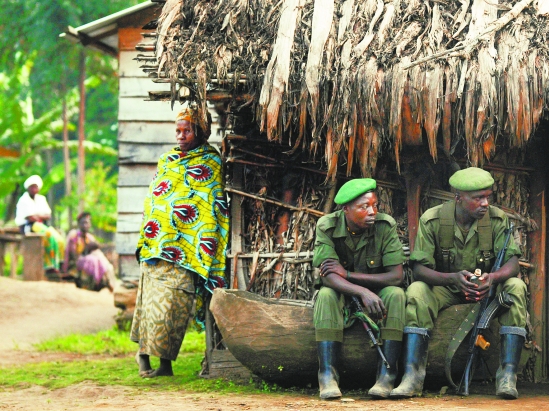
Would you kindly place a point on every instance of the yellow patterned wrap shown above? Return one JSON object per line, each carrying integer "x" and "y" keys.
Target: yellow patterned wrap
{"x": 187, "y": 114}
{"x": 186, "y": 217}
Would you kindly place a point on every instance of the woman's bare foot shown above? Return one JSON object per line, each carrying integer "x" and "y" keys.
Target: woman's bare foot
{"x": 144, "y": 364}
{"x": 165, "y": 370}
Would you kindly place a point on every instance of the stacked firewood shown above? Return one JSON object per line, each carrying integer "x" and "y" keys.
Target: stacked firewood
{"x": 281, "y": 200}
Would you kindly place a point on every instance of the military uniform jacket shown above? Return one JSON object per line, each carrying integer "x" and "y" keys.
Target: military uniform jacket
{"x": 465, "y": 254}
{"x": 377, "y": 248}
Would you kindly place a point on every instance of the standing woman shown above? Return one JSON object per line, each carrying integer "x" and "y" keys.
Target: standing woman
{"x": 32, "y": 214}
{"x": 182, "y": 244}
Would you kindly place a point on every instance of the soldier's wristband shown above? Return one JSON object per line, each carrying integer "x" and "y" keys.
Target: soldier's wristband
{"x": 348, "y": 275}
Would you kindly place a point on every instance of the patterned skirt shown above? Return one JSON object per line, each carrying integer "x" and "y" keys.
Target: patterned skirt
{"x": 163, "y": 308}
{"x": 54, "y": 246}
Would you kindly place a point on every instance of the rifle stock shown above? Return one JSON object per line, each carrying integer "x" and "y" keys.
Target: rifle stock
{"x": 489, "y": 306}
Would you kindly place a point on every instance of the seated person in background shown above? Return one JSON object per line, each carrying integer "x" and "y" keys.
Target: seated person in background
{"x": 32, "y": 215}
{"x": 85, "y": 261}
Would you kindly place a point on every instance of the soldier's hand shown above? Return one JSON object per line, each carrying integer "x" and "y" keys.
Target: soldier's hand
{"x": 332, "y": 267}
{"x": 373, "y": 305}
{"x": 468, "y": 288}
{"x": 484, "y": 284}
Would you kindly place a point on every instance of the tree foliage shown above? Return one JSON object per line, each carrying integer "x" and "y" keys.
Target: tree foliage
{"x": 37, "y": 71}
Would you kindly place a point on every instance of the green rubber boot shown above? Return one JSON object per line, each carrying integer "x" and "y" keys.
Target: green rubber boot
{"x": 386, "y": 377}
{"x": 416, "y": 343}
{"x": 506, "y": 376}
{"x": 328, "y": 377}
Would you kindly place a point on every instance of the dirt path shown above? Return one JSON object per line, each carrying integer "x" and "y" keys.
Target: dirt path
{"x": 87, "y": 396}
{"x": 34, "y": 311}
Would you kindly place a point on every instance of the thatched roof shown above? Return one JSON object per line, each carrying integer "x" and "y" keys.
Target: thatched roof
{"x": 356, "y": 76}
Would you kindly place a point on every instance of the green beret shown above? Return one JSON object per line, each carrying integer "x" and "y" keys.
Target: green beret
{"x": 354, "y": 188}
{"x": 471, "y": 179}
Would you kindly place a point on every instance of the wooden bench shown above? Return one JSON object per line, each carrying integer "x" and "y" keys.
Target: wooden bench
{"x": 29, "y": 246}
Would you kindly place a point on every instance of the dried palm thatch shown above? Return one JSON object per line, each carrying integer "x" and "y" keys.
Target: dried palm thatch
{"x": 358, "y": 76}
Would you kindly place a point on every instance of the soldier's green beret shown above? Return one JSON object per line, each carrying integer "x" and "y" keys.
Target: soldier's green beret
{"x": 354, "y": 188}
{"x": 471, "y": 179}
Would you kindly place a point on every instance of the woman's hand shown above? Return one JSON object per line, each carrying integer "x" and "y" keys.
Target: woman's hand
{"x": 332, "y": 267}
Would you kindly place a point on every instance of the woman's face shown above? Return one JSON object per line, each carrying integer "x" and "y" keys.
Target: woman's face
{"x": 85, "y": 223}
{"x": 33, "y": 190}
{"x": 186, "y": 136}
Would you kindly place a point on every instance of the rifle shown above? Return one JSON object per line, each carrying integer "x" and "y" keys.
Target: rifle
{"x": 489, "y": 307}
{"x": 355, "y": 303}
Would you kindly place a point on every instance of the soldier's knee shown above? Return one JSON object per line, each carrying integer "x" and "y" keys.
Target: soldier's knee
{"x": 417, "y": 289}
{"x": 326, "y": 295}
{"x": 515, "y": 286}
{"x": 395, "y": 294}
{"x": 327, "y": 292}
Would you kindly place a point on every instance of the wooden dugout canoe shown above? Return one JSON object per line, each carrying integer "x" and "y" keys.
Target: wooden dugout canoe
{"x": 275, "y": 339}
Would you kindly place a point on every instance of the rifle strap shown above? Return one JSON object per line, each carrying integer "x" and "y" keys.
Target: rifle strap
{"x": 446, "y": 232}
{"x": 457, "y": 339}
{"x": 485, "y": 239}
{"x": 446, "y": 235}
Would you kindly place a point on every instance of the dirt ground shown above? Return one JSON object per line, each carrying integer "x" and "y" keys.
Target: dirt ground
{"x": 34, "y": 311}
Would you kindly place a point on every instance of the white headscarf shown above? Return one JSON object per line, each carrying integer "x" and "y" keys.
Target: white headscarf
{"x": 35, "y": 179}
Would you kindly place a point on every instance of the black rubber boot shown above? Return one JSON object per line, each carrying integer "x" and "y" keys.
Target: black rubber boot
{"x": 415, "y": 362}
{"x": 386, "y": 377}
{"x": 506, "y": 376}
{"x": 328, "y": 378}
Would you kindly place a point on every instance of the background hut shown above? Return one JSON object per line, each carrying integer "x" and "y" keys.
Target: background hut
{"x": 312, "y": 93}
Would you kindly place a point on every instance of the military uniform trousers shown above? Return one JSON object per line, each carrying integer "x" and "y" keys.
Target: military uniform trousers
{"x": 425, "y": 301}
{"x": 329, "y": 322}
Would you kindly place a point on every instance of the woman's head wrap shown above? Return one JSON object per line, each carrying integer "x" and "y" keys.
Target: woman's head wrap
{"x": 198, "y": 118}
{"x": 35, "y": 179}
{"x": 82, "y": 215}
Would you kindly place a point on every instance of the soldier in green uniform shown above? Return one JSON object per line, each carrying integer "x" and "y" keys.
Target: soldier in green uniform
{"x": 453, "y": 240}
{"x": 359, "y": 254}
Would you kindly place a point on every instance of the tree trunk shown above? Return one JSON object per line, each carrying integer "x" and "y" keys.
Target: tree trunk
{"x": 275, "y": 339}
{"x": 66, "y": 155}
{"x": 81, "y": 132}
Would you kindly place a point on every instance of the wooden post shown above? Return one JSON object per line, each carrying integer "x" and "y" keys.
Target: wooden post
{"x": 32, "y": 250}
{"x": 413, "y": 191}
{"x": 237, "y": 273}
{"x": 537, "y": 242}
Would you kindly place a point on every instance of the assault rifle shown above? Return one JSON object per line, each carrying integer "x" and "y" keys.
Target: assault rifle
{"x": 357, "y": 307}
{"x": 489, "y": 307}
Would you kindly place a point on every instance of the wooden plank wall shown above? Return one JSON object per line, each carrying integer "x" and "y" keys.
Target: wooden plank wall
{"x": 145, "y": 131}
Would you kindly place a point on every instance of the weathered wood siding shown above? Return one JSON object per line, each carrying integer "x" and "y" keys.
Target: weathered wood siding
{"x": 145, "y": 131}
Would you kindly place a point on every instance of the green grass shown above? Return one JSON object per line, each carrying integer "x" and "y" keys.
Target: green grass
{"x": 116, "y": 371}
{"x": 111, "y": 342}
{"x": 120, "y": 371}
